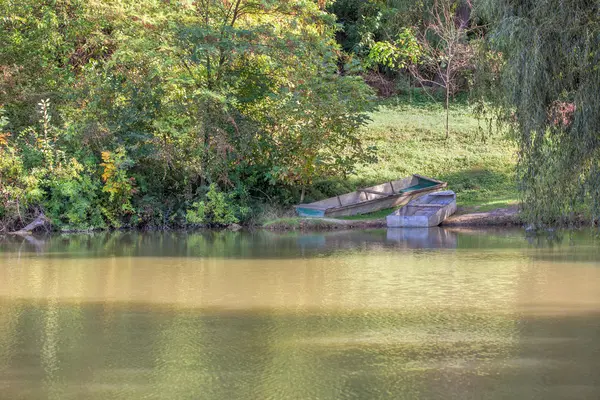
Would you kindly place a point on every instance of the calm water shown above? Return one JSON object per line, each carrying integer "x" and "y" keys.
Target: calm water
{"x": 365, "y": 315}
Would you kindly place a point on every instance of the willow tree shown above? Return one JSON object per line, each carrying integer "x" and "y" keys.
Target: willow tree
{"x": 551, "y": 90}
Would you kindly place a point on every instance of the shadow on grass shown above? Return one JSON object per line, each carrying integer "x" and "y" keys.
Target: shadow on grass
{"x": 483, "y": 188}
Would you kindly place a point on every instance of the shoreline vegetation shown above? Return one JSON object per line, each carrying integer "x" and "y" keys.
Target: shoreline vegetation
{"x": 478, "y": 164}
{"x": 465, "y": 217}
{"x": 167, "y": 115}
{"x": 408, "y": 135}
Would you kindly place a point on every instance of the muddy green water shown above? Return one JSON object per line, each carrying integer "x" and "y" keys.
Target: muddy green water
{"x": 364, "y": 315}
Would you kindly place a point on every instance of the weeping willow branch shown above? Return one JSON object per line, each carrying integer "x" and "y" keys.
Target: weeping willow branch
{"x": 550, "y": 86}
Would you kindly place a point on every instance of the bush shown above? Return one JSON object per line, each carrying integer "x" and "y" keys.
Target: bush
{"x": 218, "y": 209}
{"x": 72, "y": 200}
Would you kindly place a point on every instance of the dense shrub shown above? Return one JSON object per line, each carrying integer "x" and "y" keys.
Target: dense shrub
{"x": 155, "y": 114}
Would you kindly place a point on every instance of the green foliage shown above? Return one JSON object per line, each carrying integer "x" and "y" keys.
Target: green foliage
{"x": 313, "y": 133}
{"x": 18, "y": 189}
{"x": 154, "y": 101}
{"x": 403, "y": 51}
{"x": 365, "y": 23}
{"x": 71, "y": 198}
{"x": 428, "y": 42}
{"x": 218, "y": 209}
{"x": 197, "y": 214}
{"x": 546, "y": 88}
{"x": 3, "y": 125}
{"x": 118, "y": 185}
{"x": 44, "y": 45}
{"x": 35, "y": 172}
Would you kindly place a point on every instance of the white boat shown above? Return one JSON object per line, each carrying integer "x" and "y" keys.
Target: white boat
{"x": 374, "y": 198}
{"x": 426, "y": 211}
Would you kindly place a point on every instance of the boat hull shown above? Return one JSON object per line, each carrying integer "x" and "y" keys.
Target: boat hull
{"x": 372, "y": 206}
{"x": 422, "y": 214}
{"x": 375, "y": 198}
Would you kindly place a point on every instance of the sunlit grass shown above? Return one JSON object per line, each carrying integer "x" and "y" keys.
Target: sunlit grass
{"x": 477, "y": 164}
{"x": 374, "y": 215}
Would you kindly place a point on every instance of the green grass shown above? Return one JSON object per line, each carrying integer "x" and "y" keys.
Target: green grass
{"x": 410, "y": 138}
{"x": 477, "y": 164}
{"x": 291, "y": 222}
{"x": 374, "y": 215}
{"x": 298, "y": 223}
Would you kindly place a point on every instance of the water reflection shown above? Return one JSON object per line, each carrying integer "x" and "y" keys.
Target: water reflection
{"x": 247, "y": 244}
{"x": 181, "y": 354}
{"x": 425, "y": 238}
{"x": 342, "y": 315}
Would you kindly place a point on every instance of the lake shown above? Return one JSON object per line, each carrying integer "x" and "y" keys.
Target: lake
{"x": 398, "y": 314}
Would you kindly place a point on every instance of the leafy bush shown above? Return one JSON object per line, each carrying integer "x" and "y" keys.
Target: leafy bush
{"x": 118, "y": 185}
{"x": 18, "y": 189}
{"x": 219, "y": 208}
{"x": 399, "y": 53}
{"x": 72, "y": 198}
{"x": 152, "y": 100}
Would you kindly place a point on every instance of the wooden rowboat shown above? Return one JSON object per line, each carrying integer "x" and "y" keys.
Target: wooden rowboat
{"x": 426, "y": 211}
{"x": 374, "y": 198}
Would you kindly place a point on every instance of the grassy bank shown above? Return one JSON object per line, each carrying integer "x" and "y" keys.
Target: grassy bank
{"x": 410, "y": 138}
{"x": 322, "y": 224}
{"x": 478, "y": 165}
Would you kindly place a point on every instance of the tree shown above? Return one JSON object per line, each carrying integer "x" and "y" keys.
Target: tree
{"x": 155, "y": 102}
{"x": 313, "y": 132}
{"x": 551, "y": 85}
{"x": 44, "y": 46}
{"x": 445, "y": 52}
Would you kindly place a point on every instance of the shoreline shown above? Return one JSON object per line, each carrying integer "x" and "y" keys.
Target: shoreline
{"x": 500, "y": 217}
{"x": 465, "y": 217}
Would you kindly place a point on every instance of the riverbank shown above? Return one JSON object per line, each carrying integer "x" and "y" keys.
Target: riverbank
{"x": 409, "y": 138}
{"x": 478, "y": 164}
{"x": 465, "y": 217}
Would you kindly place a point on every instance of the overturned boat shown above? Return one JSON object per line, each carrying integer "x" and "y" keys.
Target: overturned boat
{"x": 374, "y": 198}
{"x": 424, "y": 212}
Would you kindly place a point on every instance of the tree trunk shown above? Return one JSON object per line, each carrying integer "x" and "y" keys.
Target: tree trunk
{"x": 302, "y": 194}
{"x": 447, "y": 111}
{"x": 410, "y": 88}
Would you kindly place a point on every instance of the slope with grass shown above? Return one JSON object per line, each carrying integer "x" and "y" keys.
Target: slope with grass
{"x": 478, "y": 163}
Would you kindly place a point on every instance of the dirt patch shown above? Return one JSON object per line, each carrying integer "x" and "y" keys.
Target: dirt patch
{"x": 498, "y": 217}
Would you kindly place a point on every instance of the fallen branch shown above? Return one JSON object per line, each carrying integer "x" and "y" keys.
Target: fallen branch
{"x": 41, "y": 220}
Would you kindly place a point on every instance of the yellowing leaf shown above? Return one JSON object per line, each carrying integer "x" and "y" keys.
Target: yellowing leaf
{"x": 4, "y": 139}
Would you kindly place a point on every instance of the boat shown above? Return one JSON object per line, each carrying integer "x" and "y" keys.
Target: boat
{"x": 374, "y": 198}
{"x": 426, "y": 211}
